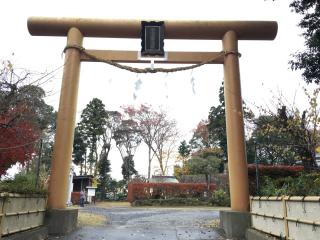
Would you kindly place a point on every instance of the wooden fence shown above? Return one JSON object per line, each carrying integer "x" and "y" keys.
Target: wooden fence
{"x": 296, "y": 218}
{"x": 20, "y": 212}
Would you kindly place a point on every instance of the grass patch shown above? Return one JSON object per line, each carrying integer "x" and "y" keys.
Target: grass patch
{"x": 90, "y": 219}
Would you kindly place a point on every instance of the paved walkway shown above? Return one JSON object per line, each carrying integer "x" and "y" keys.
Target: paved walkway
{"x": 150, "y": 224}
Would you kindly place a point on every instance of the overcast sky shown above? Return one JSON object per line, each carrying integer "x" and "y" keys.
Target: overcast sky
{"x": 264, "y": 64}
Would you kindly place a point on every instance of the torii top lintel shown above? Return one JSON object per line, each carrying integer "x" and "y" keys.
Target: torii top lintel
{"x": 174, "y": 29}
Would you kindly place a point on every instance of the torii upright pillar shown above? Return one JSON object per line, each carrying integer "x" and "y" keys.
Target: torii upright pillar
{"x": 61, "y": 164}
{"x": 237, "y": 161}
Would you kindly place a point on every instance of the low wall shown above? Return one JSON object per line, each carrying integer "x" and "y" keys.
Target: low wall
{"x": 20, "y": 212}
{"x": 295, "y": 218}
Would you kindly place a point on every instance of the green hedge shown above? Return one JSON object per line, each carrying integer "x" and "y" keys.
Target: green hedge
{"x": 306, "y": 184}
{"x": 23, "y": 184}
{"x": 219, "y": 198}
{"x": 171, "y": 202}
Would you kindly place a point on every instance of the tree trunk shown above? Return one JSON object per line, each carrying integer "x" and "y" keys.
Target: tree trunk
{"x": 209, "y": 182}
{"x": 163, "y": 170}
{"x": 103, "y": 190}
{"x": 103, "y": 173}
{"x": 149, "y": 166}
{"x": 85, "y": 163}
{"x": 96, "y": 162}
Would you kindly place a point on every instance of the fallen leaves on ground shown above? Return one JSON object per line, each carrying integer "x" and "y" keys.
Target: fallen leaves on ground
{"x": 90, "y": 219}
{"x": 112, "y": 204}
{"x": 212, "y": 224}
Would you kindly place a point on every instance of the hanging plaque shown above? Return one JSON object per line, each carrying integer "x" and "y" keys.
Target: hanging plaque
{"x": 152, "y": 38}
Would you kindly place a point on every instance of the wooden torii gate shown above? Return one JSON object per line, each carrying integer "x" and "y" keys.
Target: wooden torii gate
{"x": 227, "y": 31}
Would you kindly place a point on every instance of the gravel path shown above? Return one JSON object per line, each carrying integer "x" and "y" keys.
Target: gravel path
{"x": 150, "y": 224}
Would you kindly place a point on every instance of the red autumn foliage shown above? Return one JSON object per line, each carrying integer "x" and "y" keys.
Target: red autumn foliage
{"x": 202, "y": 132}
{"x": 275, "y": 171}
{"x": 17, "y": 140}
{"x": 138, "y": 191}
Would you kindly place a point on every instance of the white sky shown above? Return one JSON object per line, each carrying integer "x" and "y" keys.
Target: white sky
{"x": 264, "y": 64}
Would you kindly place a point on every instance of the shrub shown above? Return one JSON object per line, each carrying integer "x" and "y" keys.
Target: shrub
{"x": 23, "y": 183}
{"x": 98, "y": 196}
{"x": 306, "y": 184}
{"x": 220, "y": 198}
{"x": 141, "y": 191}
{"x": 120, "y": 196}
{"x": 277, "y": 171}
{"x": 269, "y": 187}
{"x": 274, "y": 172}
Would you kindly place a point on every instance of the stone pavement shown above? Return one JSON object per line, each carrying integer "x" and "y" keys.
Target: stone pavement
{"x": 150, "y": 224}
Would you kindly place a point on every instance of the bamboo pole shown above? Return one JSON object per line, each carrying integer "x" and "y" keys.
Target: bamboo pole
{"x": 285, "y": 217}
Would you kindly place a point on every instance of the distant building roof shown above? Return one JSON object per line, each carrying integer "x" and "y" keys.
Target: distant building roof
{"x": 81, "y": 182}
{"x": 83, "y": 177}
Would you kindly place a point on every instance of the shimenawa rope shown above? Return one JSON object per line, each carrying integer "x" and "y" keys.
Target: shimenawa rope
{"x": 148, "y": 70}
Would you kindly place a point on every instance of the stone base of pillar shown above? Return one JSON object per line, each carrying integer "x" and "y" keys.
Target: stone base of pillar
{"x": 38, "y": 233}
{"x": 235, "y": 223}
{"x": 61, "y": 221}
{"x": 253, "y": 234}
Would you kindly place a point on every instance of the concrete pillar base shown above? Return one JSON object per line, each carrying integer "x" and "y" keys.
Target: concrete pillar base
{"x": 38, "y": 233}
{"x": 61, "y": 221}
{"x": 235, "y": 223}
{"x": 253, "y": 234}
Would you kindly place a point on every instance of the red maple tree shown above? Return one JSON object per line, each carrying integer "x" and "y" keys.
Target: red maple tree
{"x": 18, "y": 136}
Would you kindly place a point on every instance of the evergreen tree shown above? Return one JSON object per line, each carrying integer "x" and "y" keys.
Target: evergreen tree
{"x": 206, "y": 162}
{"x": 217, "y": 123}
{"x": 93, "y": 121}
{"x": 309, "y": 59}
{"x": 79, "y": 149}
{"x": 104, "y": 169}
{"x": 184, "y": 149}
{"x": 184, "y": 152}
{"x": 128, "y": 168}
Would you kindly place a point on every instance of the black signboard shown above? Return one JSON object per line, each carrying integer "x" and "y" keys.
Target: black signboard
{"x": 152, "y": 38}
